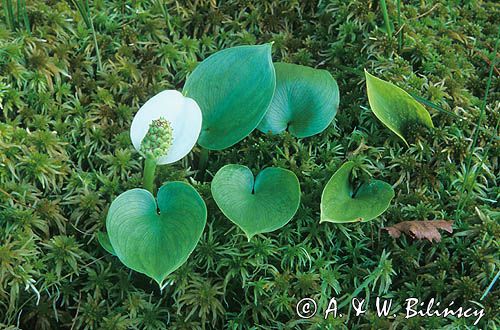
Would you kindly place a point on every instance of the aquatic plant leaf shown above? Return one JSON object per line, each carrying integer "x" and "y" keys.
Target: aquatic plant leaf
{"x": 153, "y": 243}
{"x": 305, "y": 101}
{"x": 103, "y": 239}
{"x": 257, "y": 206}
{"x": 421, "y": 229}
{"x": 340, "y": 202}
{"x": 394, "y": 107}
{"x": 233, "y": 88}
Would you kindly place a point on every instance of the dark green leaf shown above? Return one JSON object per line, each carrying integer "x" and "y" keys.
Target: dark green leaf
{"x": 153, "y": 243}
{"x": 233, "y": 88}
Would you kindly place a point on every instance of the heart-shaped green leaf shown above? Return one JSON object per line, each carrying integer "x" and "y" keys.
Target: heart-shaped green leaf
{"x": 394, "y": 107}
{"x": 151, "y": 243}
{"x": 305, "y": 101}
{"x": 341, "y": 203}
{"x": 259, "y": 206}
{"x": 233, "y": 88}
{"x": 103, "y": 239}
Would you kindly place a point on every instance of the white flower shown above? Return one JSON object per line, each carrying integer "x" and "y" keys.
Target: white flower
{"x": 182, "y": 113}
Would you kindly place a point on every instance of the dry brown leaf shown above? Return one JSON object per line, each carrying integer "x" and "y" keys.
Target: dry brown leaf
{"x": 421, "y": 229}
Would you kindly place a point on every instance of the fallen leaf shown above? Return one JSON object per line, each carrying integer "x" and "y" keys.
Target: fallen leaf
{"x": 421, "y": 229}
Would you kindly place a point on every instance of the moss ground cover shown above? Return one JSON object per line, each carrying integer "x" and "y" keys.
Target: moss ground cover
{"x": 65, "y": 154}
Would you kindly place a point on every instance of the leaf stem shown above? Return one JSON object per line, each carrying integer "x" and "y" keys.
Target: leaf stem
{"x": 490, "y": 286}
{"x": 149, "y": 174}
{"x": 400, "y": 34}
{"x": 94, "y": 36}
{"x": 383, "y": 6}
{"x": 9, "y": 13}
{"x": 461, "y": 202}
{"x": 202, "y": 163}
{"x": 84, "y": 9}
{"x": 97, "y": 51}
{"x": 166, "y": 16}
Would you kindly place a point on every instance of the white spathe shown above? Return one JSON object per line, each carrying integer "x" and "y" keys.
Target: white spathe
{"x": 184, "y": 116}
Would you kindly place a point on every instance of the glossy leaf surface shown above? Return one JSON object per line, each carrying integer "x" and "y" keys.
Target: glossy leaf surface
{"x": 340, "y": 202}
{"x": 257, "y": 206}
{"x": 305, "y": 101}
{"x": 394, "y": 107}
{"x": 233, "y": 88}
{"x": 151, "y": 242}
{"x": 103, "y": 239}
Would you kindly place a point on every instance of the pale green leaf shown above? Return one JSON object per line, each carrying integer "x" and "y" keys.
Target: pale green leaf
{"x": 341, "y": 203}
{"x": 257, "y": 206}
{"x": 394, "y": 107}
{"x": 305, "y": 101}
{"x": 103, "y": 239}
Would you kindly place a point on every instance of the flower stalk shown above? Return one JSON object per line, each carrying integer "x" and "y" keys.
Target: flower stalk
{"x": 202, "y": 163}
{"x": 156, "y": 143}
{"x": 149, "y": 174}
